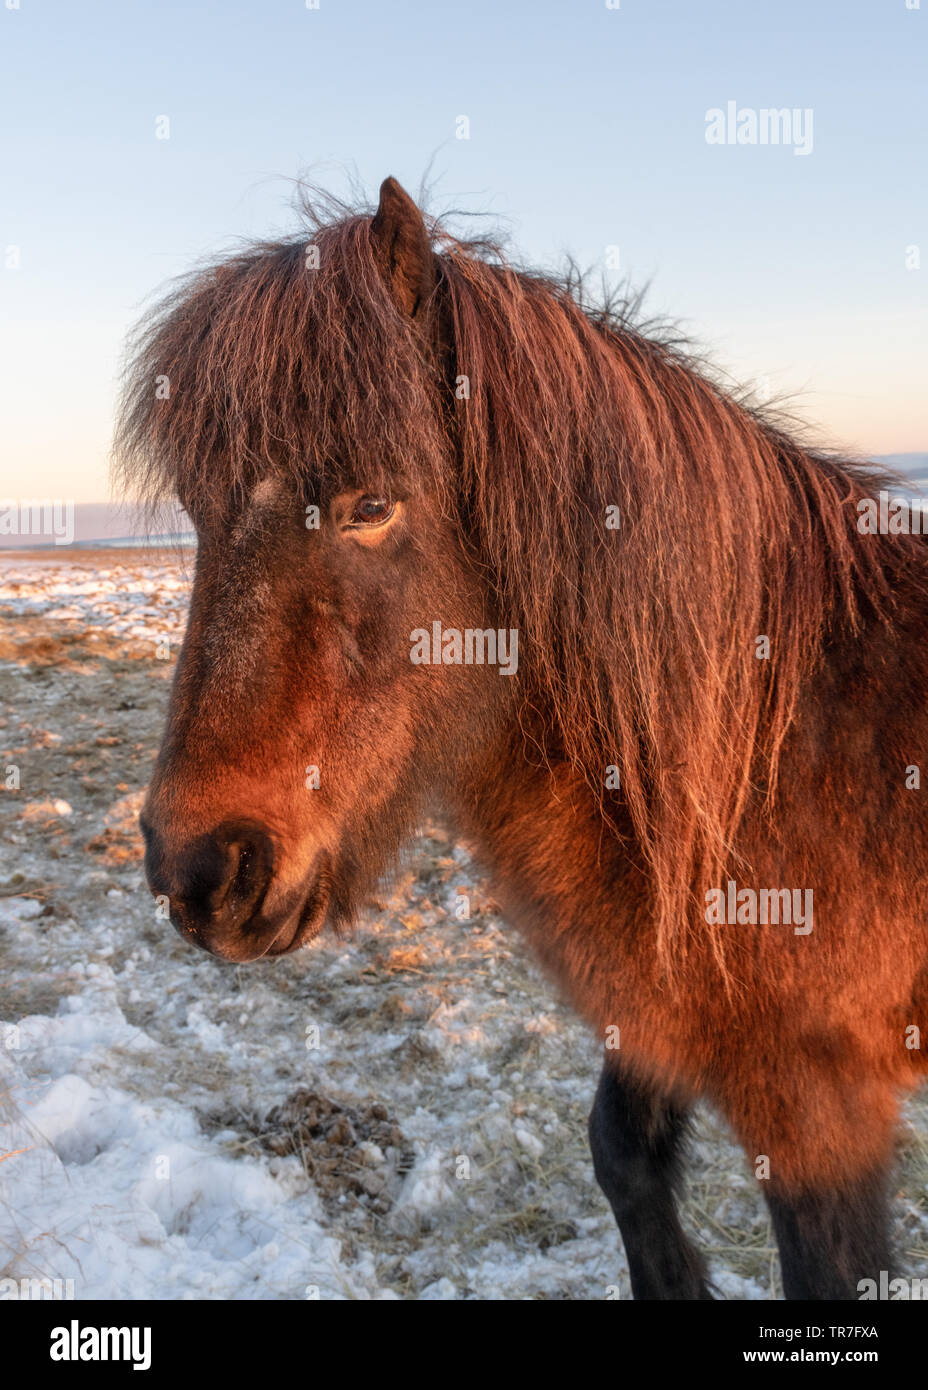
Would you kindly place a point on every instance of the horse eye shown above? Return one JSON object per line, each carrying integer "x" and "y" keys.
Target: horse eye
{"x": 371, "y": 511}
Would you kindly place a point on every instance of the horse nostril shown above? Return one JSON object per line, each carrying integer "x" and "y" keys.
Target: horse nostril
{"x": 235, "y": 868}
{"x": 250, "y": 867}
{"x": 215, "y": 881}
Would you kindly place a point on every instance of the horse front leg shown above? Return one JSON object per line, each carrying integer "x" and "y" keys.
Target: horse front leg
{"x": 827, "y": 1141}
{"x": 636, "y": 1138}
{"x": 831, "y": 1241}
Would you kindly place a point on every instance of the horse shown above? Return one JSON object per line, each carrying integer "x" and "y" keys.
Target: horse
{"x": 694, "y": 781}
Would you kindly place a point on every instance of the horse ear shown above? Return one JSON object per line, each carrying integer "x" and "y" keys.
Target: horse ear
{"x": 402, "y": 248}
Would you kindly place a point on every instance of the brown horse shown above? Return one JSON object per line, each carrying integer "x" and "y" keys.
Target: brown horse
{"x": 465, "y": 539}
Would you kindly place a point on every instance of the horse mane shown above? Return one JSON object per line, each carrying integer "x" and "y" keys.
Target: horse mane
{"x": 639, "y": 642}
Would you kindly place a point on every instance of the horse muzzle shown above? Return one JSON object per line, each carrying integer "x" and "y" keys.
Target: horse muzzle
{"x": 218, "y": 888}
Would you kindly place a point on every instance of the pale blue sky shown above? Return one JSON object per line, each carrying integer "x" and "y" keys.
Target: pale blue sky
{"x": 587, "y": 131}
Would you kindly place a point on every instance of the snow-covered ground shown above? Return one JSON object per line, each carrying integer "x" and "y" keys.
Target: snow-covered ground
{"x": 399, "y": 1115}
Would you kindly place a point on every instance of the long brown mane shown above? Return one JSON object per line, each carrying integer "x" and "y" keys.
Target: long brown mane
{"x": 639, "y": 642}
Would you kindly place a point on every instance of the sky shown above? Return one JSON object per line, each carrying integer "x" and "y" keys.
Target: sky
{"x": 797, "y": 265}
